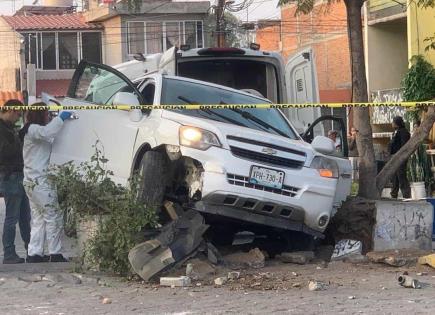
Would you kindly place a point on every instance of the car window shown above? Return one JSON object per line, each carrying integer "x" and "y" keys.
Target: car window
{"x": 178, "y": 92}
{"x": 148, "y": 92}
{"x": 98, "y": 86}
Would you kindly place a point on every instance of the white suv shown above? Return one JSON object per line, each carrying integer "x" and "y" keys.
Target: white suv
{"x": 247, "y": 164}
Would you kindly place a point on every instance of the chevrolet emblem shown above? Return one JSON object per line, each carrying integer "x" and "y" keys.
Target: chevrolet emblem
{"x": 269, "y": 151}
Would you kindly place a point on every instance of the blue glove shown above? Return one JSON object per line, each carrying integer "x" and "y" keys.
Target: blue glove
{"x": 65, "y": 115}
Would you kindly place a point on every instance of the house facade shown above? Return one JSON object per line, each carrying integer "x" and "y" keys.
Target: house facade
{"x": 43, "y": 51}
{"x": 42, "y": 45}
{"x": 395, "y": 31}
{"x": 152, "y": 28}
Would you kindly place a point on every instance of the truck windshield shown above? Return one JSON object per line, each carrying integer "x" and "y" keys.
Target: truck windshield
{"x": 179, "y": 92}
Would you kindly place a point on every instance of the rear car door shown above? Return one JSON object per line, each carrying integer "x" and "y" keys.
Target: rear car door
{"x": 302, "y": 88}
{"x": 115, "y": 131}
{"x": 321, "y": 127}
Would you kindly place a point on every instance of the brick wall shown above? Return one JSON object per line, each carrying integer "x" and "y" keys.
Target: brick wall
{"x": 269, "y": 36}
{"x": 325, "y": 29}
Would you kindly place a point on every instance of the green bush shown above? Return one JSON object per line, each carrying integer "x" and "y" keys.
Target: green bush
{"x": 86, "y": 190}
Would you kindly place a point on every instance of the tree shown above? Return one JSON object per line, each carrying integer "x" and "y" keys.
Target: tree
{"x": 232, "y": 28}
{"x": 367, "y": 172}
{"x": 371, "y": 185}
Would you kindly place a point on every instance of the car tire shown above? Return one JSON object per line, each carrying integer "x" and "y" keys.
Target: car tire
{"x": 153, "y": 173}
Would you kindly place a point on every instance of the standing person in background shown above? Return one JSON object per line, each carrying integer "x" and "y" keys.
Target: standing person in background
{"x": 353, "y": 152}
{"x": 38, "y": 135}
{"x": 11, "y": 183}
{"x": 401, "y": 135}
{"x": 333, "y": 135}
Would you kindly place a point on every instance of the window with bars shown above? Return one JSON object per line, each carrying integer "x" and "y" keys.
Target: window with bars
{"x": 153, "y": 37}
{"x": 62, "y": 50}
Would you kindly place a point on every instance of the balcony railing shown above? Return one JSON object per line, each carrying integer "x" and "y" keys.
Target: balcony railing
{"x": 380, "y": 9}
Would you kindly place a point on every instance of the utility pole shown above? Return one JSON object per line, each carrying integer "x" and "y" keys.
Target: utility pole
{"x": 219, "y": 23}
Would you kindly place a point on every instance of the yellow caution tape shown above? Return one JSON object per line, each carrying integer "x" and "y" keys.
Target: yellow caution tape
{"x": 218, "y": 106}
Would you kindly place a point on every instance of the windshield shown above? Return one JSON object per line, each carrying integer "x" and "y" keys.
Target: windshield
{"x": 235, "y": 73}
{"x": 179, "y": 92}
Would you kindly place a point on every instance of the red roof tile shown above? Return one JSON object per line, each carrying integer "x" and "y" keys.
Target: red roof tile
{"x": 56, "y": 88}
{"x": 49, "y": 22}
{"x": 10, "y": 95}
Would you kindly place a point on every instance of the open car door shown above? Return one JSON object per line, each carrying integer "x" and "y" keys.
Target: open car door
{"x": 114, "y": 130}
{"x": 302, "y": 88}
{"x": 322, "y": 127}
{"x": 168, "y": 61}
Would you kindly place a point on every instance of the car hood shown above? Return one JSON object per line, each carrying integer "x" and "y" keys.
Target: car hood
{"x": 233, "y": 135}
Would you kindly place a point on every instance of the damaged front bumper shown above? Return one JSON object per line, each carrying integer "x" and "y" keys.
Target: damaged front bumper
{"x": 252, "y": 217}
{"x": 304, "y": 203}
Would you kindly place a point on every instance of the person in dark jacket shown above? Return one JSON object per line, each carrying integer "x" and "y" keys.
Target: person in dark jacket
{"x": 11, "y": 183}
{"x": 400, "y": 137}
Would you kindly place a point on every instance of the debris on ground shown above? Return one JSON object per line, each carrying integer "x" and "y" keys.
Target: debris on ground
{"x": 427, "y": 260}
{"x": 177, "y": 240}
{"x": 355, "y": 220}
{"x": 300, "y": 258}
{"x": 220, "y": 281}
{"x": 198, "y": 269}
{"x": 421, "y": 274}
{"x": 356, "y": 259}
{"x": 173, "y": 210}
{"x": 254, "y": 259}
{"x": 244, "y": 237}
{"x": 324, "y": 252}
{"x": 346, "y": 248}
{"x": 317, "y": 286}
{"x": 409, "y": 282}
{"x": 396, "y": 258}
{"x": 213, "y": 254}
{"x": 106, "y": 301}
{"x": 182, "y": 281}
{"x": 233, "y": 275}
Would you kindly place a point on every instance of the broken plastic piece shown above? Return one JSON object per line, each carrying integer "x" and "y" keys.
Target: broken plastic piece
{"x": 427, "y": 260}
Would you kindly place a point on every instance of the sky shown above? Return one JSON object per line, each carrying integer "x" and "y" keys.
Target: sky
{"x": 259, "y": 9}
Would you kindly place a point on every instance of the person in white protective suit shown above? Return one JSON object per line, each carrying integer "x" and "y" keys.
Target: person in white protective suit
{"x": 38, "y": 135}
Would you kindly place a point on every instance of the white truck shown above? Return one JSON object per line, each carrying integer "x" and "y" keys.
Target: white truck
{"x": 248, "y": 165}
{"x": 242, "y": 69}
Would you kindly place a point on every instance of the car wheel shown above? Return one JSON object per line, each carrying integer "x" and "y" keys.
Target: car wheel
{"x": 153, "y": 173}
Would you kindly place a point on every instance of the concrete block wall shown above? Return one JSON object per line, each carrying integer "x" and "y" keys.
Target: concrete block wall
{"x": 403, "y": 225}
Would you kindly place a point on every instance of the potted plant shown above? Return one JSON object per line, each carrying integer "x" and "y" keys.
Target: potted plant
{"x": 418, "y": 172}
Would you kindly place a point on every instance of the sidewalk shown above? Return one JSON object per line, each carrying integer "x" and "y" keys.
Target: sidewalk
{"x": 69, "y": 245}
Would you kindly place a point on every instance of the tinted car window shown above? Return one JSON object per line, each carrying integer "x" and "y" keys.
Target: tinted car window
{"x": 99, "y": 86}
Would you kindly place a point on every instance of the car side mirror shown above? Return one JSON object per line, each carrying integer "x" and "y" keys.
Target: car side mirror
{"x": 126, "y": 98}
{"x": 323, "y": 145}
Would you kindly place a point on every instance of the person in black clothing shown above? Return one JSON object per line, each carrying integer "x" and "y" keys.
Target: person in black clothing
{"x": 400, "y": 137}
{"x": 11, "y": 183}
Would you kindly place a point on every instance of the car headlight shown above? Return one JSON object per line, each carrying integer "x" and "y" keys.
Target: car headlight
{"x": 198, "y": 138}
{"x": 326, "y": 167}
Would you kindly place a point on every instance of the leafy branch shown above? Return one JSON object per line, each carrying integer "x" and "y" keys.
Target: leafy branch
{"x": 87, "y": 191}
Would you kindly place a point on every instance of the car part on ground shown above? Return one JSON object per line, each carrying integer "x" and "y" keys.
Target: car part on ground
{"x": 177, "y": 240}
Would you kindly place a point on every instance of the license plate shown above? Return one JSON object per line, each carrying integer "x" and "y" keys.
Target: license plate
{"x": 266, "y": 177}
